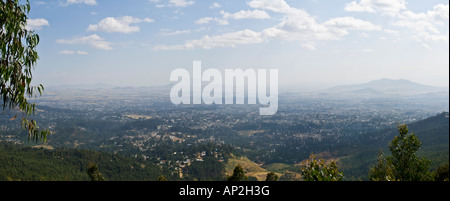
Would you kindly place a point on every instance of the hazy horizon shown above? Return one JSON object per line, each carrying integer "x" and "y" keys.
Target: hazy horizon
{"x": 313, "y": 44}
{"x": 312, "y": 86}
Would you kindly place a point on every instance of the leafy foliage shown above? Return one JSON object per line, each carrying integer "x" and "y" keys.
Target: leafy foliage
{"x": 403, "y": 164}
{"x": 442, "y": 173}
{"x": 318, "y": 170}
{"x": 94, "y": 173}
{"x": 18, "y": 57}
{"x": 271, "y": 176}
{"x": 383, "y": 171}
{"x": 162, "y": 178}
{"x": 433, "y": 132}
{"x": 238, "y": 174}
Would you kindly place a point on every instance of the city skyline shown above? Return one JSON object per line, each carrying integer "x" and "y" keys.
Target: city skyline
{"x": 314, "y": 44}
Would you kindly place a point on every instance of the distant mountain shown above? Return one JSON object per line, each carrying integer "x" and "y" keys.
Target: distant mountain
{"x": 386, "y": 88}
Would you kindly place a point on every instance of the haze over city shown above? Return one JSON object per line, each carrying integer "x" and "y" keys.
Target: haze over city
{"x": 313, "y": 43}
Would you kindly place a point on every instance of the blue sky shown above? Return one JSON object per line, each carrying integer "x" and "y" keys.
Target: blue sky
{"x": 313, "y": 43}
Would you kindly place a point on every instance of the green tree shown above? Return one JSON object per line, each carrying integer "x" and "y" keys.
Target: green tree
{"x": 271, "y": 176}
{"x": 238, "y": 174}
{"x": 318, "y": 170}
{"x": 442, "y": 173}
{"x": 162, "y": 178}
{"x": 382, "y": 171}
{"x": 403, "y": 164}
{"x": 18, "y": 58}
{"x": 94, "y": 173}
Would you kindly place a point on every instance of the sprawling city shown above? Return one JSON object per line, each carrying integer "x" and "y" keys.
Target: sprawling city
{"x": 142, "y": 123}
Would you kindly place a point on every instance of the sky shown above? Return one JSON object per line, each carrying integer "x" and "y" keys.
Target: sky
{"x": 312, "y": 43}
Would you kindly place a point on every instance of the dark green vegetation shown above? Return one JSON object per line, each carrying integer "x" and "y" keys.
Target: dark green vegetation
{"x": 433, "y": 133}
{"x": 442, "y": 173}
{"x": 238, "y": 174}
{"x": 61, "y": 164}
{"x": 206, "y": 170}
{"x": 317, "y": 170}
{"x": 94, "y": 173}
{"x": 402, "y": 164}
{"x": 18, "y": 58}
{"x": 271, "y": 176}
{"x": 173, "y": 160}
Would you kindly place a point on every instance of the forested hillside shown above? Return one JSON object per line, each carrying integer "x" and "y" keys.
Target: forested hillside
{"x": 433, "y": 132}
{"x": 61, "y": 164}
{"x": 206, "y": 162}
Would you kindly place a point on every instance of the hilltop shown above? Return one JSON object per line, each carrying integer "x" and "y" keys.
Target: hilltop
{"x": 387, "y": 88}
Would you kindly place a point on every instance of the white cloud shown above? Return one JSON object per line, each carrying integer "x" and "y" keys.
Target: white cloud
{"x": 301, "y": 27}
{"x": 437, "y": 16}
{"x": 174, "y": 33}
{"x": 422, "y": 27}
{"x": 363, "y": 35}
{"x": 120, "y": 25}
{"x": 82, "y": 52}
{"x": 149, "y": 20}
{"x": 308, "y": 46}
{"x": 93, "y": 40}
{"x": 425, "y": 27}
{"x": 70, "y": 52}
{"x": 246, "y": 14}
{"x": 173, "y": 3}
{"x": 87, "y": 2}
{"x": 67, "y": 52}
{"x": 351, "y": 23}
{"x": 279, "y": 6}
{"x": 225, "y": 40}
{"x": 295, "y": 25}
{"x": 389, "y": 7}
{"x": 253, "y": 14}
{"x": 359, "y": 7}
{"x": 298, "y": 25}
{"x": 180, "y": 3}
{"x": 36, "y": 24}
{"x": 440, "y": 12}
{"x": 168, "y": 32}
{"x": 390, "y": 31}
{"x": 206, "y": 20}
{"x": 215, "y": 5}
